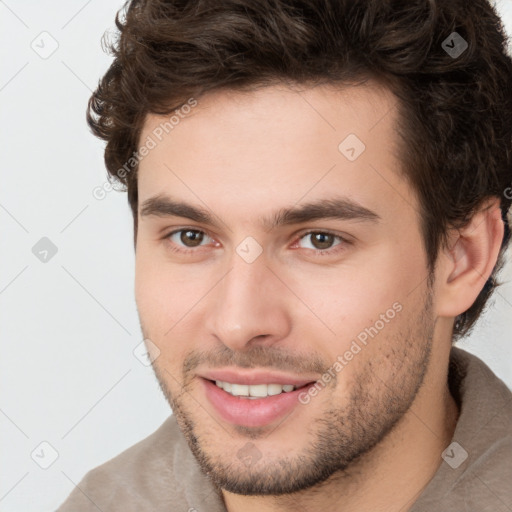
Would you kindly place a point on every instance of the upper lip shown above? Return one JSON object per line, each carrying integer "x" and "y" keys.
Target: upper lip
{"x": 254, "y": 377}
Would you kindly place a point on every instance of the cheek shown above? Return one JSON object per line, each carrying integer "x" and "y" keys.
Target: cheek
{"x": 359, "y": 308}
{"x": 161, "y": 292}
{"x": 168, "y": 302}
{"x": 389, "y": 276}
{"x": 351, "y": 299}
{"x": 148, "y": 291}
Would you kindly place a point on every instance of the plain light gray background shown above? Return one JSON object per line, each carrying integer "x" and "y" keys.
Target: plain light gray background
{"x": 69, "y": 326}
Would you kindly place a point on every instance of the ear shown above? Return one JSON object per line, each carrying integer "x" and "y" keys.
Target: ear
{"x": 465, "y": 265}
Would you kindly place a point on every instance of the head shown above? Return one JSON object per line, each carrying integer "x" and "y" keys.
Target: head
{"x": 265, "y": 97}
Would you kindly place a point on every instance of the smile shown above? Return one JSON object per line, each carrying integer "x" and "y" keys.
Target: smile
{"x": 255, "y": 390}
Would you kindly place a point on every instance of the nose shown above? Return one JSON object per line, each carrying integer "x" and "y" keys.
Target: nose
{"x": 249, "y": 306}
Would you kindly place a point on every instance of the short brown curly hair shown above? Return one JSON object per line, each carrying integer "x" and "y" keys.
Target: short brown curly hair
{"x": 455, "y": 111}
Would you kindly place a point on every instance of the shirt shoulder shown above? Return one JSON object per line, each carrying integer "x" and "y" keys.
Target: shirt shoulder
{"x": 476, "y": 468}
{"x": 158, "y": 473}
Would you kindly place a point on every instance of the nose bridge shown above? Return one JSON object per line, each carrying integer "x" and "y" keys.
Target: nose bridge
{"x": 248, "y": 303}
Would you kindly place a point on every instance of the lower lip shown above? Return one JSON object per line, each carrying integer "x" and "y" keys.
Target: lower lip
{"x": 249, "y": 412}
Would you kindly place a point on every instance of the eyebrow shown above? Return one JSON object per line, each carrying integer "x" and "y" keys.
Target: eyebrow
{"x": 341, "y": 208}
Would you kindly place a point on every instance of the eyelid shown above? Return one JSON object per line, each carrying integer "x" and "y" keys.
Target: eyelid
{"x": 342, "y": 236}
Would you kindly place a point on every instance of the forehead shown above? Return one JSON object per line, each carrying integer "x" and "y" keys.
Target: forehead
{"x": 276, "y": 146}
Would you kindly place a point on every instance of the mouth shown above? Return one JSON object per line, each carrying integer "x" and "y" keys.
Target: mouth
{"x": 253, "y": 405}
{"x": 256, "y": 391}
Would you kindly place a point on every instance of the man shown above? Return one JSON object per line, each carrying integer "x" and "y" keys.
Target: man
{"x": 319, "y": 191}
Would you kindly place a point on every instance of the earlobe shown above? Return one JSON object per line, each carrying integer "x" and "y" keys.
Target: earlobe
{"x": 466, "y": 265}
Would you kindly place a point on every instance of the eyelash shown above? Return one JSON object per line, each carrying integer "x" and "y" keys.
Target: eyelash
{"x": 317, "y": 252}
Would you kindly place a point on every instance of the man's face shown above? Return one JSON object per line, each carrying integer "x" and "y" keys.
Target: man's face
{"x": 337, "y": 306}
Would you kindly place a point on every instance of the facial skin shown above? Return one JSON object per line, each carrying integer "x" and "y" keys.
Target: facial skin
{"x": 371, "y": 439}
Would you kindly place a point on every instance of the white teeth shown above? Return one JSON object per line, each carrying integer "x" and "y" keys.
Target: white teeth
{"x": 274, "y": 389}
{"x": 255, "y": 390}
{"x": 259, "y": 390}
{"x": 240, "y": 389}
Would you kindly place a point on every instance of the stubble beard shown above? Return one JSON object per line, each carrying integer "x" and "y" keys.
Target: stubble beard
{"x": 339, "y": 437}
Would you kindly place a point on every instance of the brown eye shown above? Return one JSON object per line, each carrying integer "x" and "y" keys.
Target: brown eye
{"x": 186, "y": 240}
{"x": 320, "y": 240}
{"x": 191, "y": 238}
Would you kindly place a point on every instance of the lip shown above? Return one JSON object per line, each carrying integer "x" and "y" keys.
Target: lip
{"x": 254, "y": 377}
{"x": 256, "y": 412}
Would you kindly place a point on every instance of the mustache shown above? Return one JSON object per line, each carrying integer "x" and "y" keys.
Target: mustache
{"x": 255, "y": 357}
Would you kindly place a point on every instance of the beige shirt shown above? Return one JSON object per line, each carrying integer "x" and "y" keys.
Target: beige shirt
{"x": 160, "y": 474}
